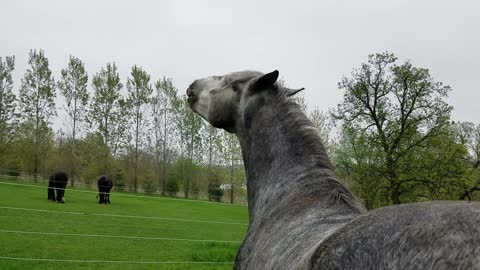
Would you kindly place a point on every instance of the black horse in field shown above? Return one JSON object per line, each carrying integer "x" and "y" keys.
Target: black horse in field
{"x": 104, "y": 184}
{"x": 57, "y": 183}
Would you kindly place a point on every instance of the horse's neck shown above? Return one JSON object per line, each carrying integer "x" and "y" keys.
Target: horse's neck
{"x": 285, "y": 160}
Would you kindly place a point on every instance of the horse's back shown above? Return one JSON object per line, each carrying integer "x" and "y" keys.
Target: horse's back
{"x": 109, "y": 183}
{"x": 104, "y": 183}
{"x": 60, "y": 179}
{"x": 433, "y": 235}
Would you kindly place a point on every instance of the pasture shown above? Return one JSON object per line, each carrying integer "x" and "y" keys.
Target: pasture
{"x": 134, "y": 232}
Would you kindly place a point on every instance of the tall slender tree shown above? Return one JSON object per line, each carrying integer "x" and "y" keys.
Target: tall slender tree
{"x": 190, "y": 125}
{"x": 213, "y": 143}
{"x": 106, "y": 109}
{"x": 232, "y": 154}
{"x": 139, "y": 94}
{"x": 163, "y": 109}
{"x": 73, "y": 87}
{"x": 7, "y": 104}
{"x": 37, "y": 94}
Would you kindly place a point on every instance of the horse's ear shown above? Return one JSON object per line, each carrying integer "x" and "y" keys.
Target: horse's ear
{"x": 291, "y": 92}
{"x": 266, "y": 81}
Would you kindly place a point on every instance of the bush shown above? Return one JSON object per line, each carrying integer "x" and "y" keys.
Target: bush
{"x": 195, "y": 191}
{"x": 118, "y": 181}
{"x": 149, "y": 187}
{"x": 172, "y": 187}
{"x": 12, "y": 169}
{"x": 13, "y": 173}
{"x": 215, "y": 193}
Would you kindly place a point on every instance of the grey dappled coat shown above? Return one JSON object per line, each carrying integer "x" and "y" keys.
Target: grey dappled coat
{"x": 300, "y": 215}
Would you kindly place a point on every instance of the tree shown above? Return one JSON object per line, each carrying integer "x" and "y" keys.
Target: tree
{"x": 107, "y": 110}
{"x": 91, "y": 156}
{"x": 37, "y": 94}
{"x": 232, "y": 154}
{"x": 468, "y": 135}
{"x": 139, "y": 91}
{"x": 73, "y": 87}
{"x": 7, "y": 104}
{"x": 438, "y": 170}
{"x": 163, "y": 104}
{"x": 399, "y": 107}
{"x": 189, "y": 124}
{"x": 359, "y": 165}
{"x": 324, "y": 125}
{"x": 212, "y": 143}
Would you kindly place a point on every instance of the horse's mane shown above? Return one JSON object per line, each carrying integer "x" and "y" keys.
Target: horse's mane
{"x": 305, "y": 136}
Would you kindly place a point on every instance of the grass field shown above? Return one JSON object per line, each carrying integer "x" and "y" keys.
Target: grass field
{"x": 146, "y": 231}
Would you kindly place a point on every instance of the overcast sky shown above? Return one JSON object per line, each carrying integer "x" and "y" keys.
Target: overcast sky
{"x": 312, "y": 43}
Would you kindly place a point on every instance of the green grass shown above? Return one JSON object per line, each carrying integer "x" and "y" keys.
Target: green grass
{"x": 144, "y": 221}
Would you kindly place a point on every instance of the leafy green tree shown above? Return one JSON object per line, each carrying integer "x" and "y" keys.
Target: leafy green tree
{"x": 163, "y": 106}
{"x": 398, "y": 107}
{"x": 213, "y": 143}
{"x": 189, "y": 125}
{"x": 149, "y": 186}
{"x": 7, "y": 105}
{"x": 438, "y": 170}
{"x": 108, "y": 111}
{"x": 139, "y": 91}
{"x": 118, "y": 180}
{"x": 174, "y": 176}
{"x": 46, "y": 152}
{"x": 215, "y": 192}
{"x": 360, "y": 167}
{"x": 73, "y": 87}
{"x": 232, "y": 155}
{"x": 37, "y": 94}
{"x": 91, "y": 156}
{"x": 468, "y": 135}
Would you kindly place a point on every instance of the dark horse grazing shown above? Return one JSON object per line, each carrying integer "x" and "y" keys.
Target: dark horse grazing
{"x": 300, "y": 215}
{"x": 104, "y": 184}
{"x": 57, "y": 183}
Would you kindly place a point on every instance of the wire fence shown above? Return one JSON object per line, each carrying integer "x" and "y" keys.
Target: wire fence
{"x": 20, "y": 177}
{"x": 27, "y": 181}
{"x": 124, "y": 194}
{"x": 124, "y": 216}
{"x": 103, "y": 222}
{"x": 120, "y": 236}
{"x": 108, "y": 261}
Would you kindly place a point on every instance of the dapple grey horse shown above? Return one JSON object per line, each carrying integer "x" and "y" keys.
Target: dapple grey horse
{"x": 300, "y": 215}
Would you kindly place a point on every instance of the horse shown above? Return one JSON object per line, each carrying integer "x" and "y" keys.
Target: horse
{"x": 104, "y": 185}
{"x": 57, "y": 182}
{"x": 300, "y": 215}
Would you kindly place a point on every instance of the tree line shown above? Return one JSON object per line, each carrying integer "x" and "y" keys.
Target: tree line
{"x": 146, "y": 137}
{"x": 395, "y": 141}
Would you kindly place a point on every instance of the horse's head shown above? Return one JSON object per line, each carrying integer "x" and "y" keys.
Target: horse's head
{"x": 228, "y": 101}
